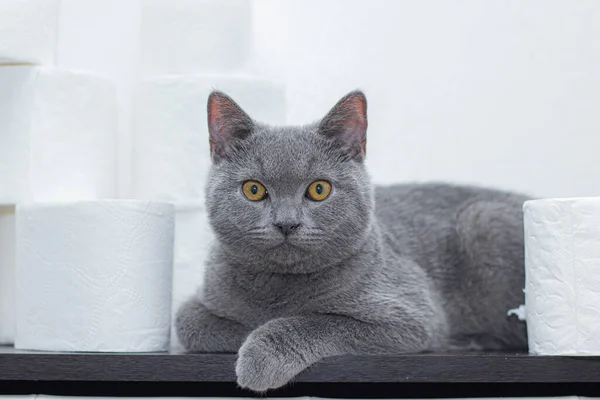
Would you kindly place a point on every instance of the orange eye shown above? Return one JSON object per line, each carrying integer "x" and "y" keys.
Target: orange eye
{"x": 319, "y": 190}
{"x": 254, "y": 191}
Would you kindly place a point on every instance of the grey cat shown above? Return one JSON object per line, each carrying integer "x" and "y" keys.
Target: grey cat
{"x": 312, "y": 261}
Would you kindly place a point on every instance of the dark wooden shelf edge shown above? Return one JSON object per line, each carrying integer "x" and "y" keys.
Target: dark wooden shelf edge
{"x": 415, "y": 368}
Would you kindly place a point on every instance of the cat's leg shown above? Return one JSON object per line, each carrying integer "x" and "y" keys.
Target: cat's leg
{"x": 492, "y": 245}
{"x": 278, "y": 350}
{"x": 199, "y": 330}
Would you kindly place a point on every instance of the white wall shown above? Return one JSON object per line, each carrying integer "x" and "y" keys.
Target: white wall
{"x": 504, "y": 93}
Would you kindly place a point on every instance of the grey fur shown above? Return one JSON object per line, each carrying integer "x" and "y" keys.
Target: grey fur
{"x": 405, "y": 268}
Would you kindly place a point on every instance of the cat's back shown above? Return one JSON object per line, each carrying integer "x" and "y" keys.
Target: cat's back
{"x": 422, "y": 221}
{"x": 414, "y": 203}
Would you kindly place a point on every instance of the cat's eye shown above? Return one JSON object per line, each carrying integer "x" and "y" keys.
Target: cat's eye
{"x": 318, "y": 190}
{"x": 254, "y": 191}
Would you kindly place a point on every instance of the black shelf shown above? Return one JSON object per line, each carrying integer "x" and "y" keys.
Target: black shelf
{"x": 180, "y": 370}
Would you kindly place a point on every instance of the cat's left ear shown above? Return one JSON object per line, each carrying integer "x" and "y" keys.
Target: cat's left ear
{"x": 347, "y": 122}
{"x": 227, "y": 124}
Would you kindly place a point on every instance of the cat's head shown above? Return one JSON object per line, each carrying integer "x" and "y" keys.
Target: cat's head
{"x": 289, "y": 199}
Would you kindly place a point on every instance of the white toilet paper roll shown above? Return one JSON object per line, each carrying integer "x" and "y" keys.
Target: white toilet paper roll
{"x": 7, "y": 274}
{"x": 94, "y": 276}
{"x": 57, "y": 138}
{"x": 193, "y": 239}
{"x": 194, "y": 36}
{"x": 172, "y": 154}
{"x": 562, "y": 294}
{"x": 28, "y": 31}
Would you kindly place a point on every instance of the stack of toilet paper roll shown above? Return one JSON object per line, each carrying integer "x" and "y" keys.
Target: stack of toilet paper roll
{"x": 562, "y": 292}
{"x": 57, "y": 139}
{"x": 57, "y": 130}
{"x": 172, "y": 159}
{"x": 65, "y": 89}
{"x": 146, "y": 38}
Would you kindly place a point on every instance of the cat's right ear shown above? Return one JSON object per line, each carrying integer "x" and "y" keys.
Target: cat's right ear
{"x": 227, "y": 123}
{"x": 347, "y": 124}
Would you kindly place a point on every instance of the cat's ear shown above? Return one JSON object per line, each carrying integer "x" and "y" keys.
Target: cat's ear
{"x": 347, "y": 122}
{"x": 227, "y": 123}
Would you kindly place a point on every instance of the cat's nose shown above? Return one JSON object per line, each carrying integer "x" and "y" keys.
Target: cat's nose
{"x": 287, "y": 228}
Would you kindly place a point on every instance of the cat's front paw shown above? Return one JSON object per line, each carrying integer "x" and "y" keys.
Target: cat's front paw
{"x": 199, "y": 330}
{"x": 263, "y": 363}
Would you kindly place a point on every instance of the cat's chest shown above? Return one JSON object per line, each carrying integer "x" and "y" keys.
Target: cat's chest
{"x": 256, "y": 299}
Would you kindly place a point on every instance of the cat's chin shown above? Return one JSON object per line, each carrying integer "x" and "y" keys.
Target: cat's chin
{"x": 286, "y": 253}
{"x": 286, "y": 246}
{"x": 293, "y": 260}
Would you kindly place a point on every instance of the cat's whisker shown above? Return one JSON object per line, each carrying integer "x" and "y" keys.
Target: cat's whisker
{"x": 314, "y": 229}
{"x": 261, "y": 238}
{"x": 257, "y": 229}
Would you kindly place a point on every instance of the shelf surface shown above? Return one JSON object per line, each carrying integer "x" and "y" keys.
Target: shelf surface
{"x": 413, "y": 368}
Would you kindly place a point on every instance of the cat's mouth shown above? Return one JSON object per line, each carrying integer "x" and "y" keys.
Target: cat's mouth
{"x": 285, "y": 244}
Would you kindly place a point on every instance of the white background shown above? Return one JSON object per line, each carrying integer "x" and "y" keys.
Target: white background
{"x": 499, "y": 93}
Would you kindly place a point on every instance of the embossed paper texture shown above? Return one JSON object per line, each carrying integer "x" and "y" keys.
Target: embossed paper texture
{"x": 94, "y": 276}
{"x": 562, "y": 255}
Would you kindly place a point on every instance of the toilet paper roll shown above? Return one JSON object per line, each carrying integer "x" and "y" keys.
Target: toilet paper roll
{"x": 193, "y": 240}
{"x": 94, "y": 276}
{"x": 172, "y": 156}
{"x": 28, "y": 31}
{"x": 192, "y": 36}
{"x": 562, "y": 294}
{"x": 58, "y": 135}
{"x": 7, "y": 274}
